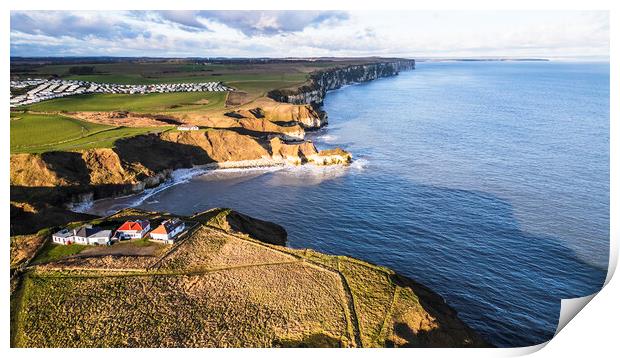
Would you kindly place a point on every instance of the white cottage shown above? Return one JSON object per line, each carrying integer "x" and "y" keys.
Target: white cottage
{"x": 134, "y": 229}
{"x": 168, "y": 230}
{"x": 84, "y": 235}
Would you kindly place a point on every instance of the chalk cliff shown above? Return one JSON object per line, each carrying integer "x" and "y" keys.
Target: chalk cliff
{"x": 313, "y": 91}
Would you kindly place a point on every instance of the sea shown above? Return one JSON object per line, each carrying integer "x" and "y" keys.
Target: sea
{"x": 488, "y": 182}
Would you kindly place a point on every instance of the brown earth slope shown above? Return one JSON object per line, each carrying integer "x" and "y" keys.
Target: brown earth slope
{"x": 54, "y": 179}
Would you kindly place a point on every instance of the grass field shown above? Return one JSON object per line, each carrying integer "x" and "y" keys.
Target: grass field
{"x": 218, "y": 289}
{"x": 37, "y": 133}
{"x": 162, "y": 72}
{"x": 52, "y": 252}
{"x": 261, "y": 87}
{"x": 153, "y": 102}
{"x": 32, "y": 130}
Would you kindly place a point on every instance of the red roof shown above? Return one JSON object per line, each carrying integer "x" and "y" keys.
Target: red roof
{"x": 133, "y": 226}
{"x": 161, "y": 229}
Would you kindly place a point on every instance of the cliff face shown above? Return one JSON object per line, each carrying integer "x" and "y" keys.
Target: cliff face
{"x": 322, "y": 81}
{"x": 287, "y": 115}
{"x": 60, "y": 178}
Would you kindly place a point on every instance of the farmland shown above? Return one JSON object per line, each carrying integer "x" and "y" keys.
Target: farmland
{"x": 253, "y": 78}
{"x": 257, "y": 77}
{"x": 223, "y": 288}
{"x": 37, "y": 133}
{"x": 154, "y": 102}
{"x": 89, "y": 120}
{"x": 133, "y": 72}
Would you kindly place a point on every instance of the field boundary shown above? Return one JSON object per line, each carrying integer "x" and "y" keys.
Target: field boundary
{"x": 346, "y": 301}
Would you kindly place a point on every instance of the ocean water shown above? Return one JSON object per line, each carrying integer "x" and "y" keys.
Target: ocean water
{"x": 486, "y": 181}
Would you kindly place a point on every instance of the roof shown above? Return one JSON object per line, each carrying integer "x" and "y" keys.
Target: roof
{"x": 102, "y": 233}
{"x": 85, "y": 231}
{"x": 137, "y": 225}
{"x": 64, "y": 233}
{"x": 88, "y": 231}
{"x": 167, "y": 226}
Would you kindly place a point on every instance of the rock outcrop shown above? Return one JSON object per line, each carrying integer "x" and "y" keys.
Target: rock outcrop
{"x": 313, "y": 92}
{"x": 262, "y": 125}
{"x": 305, "y": 115}
{"x": 241, "y": 224}
{"x": 137, "y": 163}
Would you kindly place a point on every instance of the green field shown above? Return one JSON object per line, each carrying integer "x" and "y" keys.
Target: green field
{"x": 52, "y": 252}
{"x": 260, "y": 88}
{"x": 37, "y": 133}
{"x": 152, "y": 73}
{"x": 153, "y": 102}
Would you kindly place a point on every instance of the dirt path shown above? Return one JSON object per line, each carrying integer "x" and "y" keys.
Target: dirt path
{"x": 353, "y": 325}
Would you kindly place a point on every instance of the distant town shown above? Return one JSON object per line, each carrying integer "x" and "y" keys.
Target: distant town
{"x": 43, "y": 89}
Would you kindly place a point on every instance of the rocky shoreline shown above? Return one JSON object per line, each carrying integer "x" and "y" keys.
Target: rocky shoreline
{"x": 414, "y": 316}
{"x": 267, "y": 132}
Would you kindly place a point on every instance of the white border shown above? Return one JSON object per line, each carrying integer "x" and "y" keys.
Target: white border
{"x": 594, "y": 330}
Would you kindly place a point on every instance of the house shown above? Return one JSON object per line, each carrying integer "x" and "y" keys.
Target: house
{"x": 168, "y": 230}
{"x": 187, "y": 127}
{"x": 133, "y": 229}
{"x": 84, "y": 235}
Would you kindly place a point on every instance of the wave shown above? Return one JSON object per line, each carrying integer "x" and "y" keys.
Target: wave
{"x": 290, "y": 174}
{"x": 359, "y": 164}
{"x": 182, "y": 176}
{"x": 81, "y": 207}
{"x": 327, "y": 138}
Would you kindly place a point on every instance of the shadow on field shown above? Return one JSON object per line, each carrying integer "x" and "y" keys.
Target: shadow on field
{"x": 135, "y": 154}
{"x": 158, "y": 155}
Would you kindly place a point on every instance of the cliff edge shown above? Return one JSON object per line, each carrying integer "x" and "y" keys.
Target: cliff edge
{"x": 49, "y": 181}
{"x": 315, "y": 89}
{"x": 224, "y": 284}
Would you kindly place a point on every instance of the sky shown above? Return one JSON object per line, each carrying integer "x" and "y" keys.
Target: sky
{"x": 413, "y": 34}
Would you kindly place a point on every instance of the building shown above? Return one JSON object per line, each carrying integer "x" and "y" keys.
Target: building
{"x": 56, "y": 88}
{"x": 133, "y": 229}
{"x": 84, "y": 235}
{"x": 187, "y": 128}
{"x": 168, "y": 231}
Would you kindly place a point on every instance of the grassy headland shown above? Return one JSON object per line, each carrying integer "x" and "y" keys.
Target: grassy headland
{"x": 220, "y": 287}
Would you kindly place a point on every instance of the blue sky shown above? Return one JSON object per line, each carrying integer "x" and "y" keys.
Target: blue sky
{"x": 551, "y": 34}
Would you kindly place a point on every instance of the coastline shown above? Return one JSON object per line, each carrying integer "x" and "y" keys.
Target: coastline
{"x": 158, "y": 183}
{"x": 197, "y": 170}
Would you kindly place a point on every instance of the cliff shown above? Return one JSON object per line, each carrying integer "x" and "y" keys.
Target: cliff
{"x": 224, "y": 284}
{"x": 307, "y": 116}
{"x": 313, "y": 92}
{"x": 55, "y": 179}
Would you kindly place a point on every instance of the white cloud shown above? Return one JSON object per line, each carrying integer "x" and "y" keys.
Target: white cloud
{"x": 310, "y": 33}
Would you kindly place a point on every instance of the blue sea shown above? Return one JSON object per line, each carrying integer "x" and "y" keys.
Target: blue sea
{"x": 486, "y": 181}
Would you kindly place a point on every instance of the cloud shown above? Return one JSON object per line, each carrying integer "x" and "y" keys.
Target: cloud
{"x": 189, "y": 19}
{"x": 309, "y": 33}
{"x": 77, "y": 25}
{"x": 253, "y": 23}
